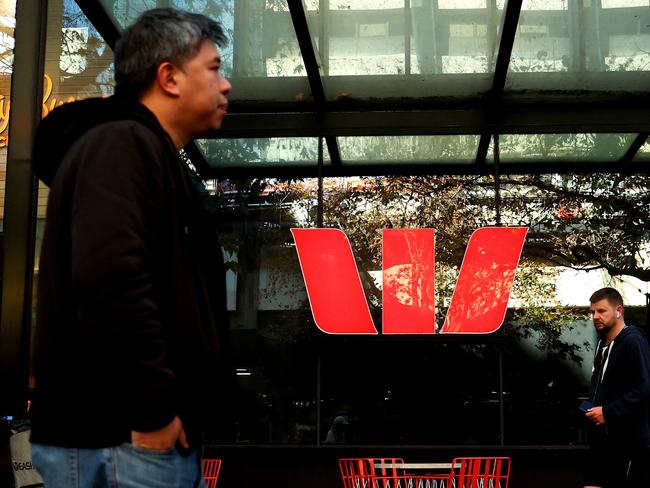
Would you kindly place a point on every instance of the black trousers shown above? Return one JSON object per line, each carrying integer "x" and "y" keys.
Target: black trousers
{"x": 615, "y": 468}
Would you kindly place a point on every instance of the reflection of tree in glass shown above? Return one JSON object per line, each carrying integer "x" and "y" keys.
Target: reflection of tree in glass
{"x": 565, "y": 147}
{"x": 253, "y": 218}
{"x": 578, "y": 221}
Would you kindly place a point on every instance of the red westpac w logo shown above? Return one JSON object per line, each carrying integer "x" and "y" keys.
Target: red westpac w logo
{"x": 478, "y": 304}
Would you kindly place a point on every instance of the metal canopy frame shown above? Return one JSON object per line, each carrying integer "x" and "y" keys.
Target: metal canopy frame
{"x": 495, "y": 111}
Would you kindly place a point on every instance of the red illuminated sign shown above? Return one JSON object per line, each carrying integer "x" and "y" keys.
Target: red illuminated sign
{"x": 478, "y": 304}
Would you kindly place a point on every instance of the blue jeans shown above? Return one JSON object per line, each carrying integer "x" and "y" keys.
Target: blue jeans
{"x": 124, "y": 466}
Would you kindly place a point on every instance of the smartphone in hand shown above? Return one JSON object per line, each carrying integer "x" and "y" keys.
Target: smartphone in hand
{"x": 586, "y": 405}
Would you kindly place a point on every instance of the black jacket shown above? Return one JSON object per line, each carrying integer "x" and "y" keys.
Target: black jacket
{"x": 131, "y": 323}
{"x": 624, "y": 393}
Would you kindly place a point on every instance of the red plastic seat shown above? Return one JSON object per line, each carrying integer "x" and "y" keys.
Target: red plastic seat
{"x": 211, "y": 468}
{"x": 480, "y": 472}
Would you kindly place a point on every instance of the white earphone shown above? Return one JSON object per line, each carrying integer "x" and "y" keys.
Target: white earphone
{"x": 618, "y": 315}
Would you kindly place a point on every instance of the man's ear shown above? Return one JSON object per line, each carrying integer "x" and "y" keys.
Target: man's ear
{"x": 167, "y": 78}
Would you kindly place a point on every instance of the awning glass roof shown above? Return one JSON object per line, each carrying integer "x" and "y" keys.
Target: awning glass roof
{"x": 415, "y": 149}
{"x": 564, "y": 147}
{"x": 562, "y": 81}
{"x": 261, "y": 152}
{"x": 586, "y": 47}
{"x": 644, "y": 153}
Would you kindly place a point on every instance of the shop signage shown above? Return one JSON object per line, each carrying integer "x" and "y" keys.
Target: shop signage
{"x": 49, "y": 103}
{"x": 478, "y": 304}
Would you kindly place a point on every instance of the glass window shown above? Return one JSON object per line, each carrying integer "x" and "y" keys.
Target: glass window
{"x": 78, "y": 65}
{"x": 280, "y": 151}
{"x": 8, "y": 20}
{"x": 359, "y": 41}
{"x": 563, "y": 147}
{"x": 643, "y": 153}
{"x": 273, "y": 333}
{"x": 577, "y": 39}
{"x": 411, "y": 149}
{"x": 410, "y": 392}
{"x": 583, "y": 235}
{"x": 262, "y": 57}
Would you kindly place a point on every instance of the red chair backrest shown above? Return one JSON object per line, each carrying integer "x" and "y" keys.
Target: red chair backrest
{"x": 211, "y": 468}
{"x": 359, "y": 472}
{"x": 481, "y": 472}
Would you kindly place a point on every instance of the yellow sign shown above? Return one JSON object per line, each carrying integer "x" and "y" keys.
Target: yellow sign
{"x": 48, "y": 105}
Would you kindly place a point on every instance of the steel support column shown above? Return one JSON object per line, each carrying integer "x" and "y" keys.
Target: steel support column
{"x": 634, "y": 148}
{"x": 493, "y": 98}
{"x": 20, "y": 204}
{"x": 299, "y": 19}
{"x": 101, "y": 20}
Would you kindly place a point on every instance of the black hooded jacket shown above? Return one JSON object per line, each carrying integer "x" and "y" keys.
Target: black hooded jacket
{"x": 621, "y": 385}
{"x": 131, "y": 319}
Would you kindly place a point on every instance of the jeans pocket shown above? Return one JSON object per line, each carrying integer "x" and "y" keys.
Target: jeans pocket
{"x": 150, "y": 452}
{"x": 138, "y": 467}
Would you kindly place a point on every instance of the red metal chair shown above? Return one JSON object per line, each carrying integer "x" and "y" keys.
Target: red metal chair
{"x": 211, "y": 468}
{"x": 361, "y": 472}
{"x": 480, "y": 472}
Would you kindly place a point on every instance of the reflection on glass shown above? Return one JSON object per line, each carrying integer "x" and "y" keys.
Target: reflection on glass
{"x": 126, "y": 11}
{"x": 564, "y": 147}
{"x": 644, "y": 152}
{"x": 271, "y": 326}
{"x": 461, "y": 4}
{"x": 262, "y": 38}
{"x": 623, "y": 3}
{"x": 8, "y": 18}
{"x": 541, "y": 43}
{"x": 480, "y": 299}
{"x": 368, "y": 37}
{"x": 398, "y": 392}
{"x": 408, "y": 287}
{"x": 332, "y": 282}
{"x": 390, "y": 391}
{"x": 78, "y": 62}
{"x": 455, "y": 37}
{"x": 375, "y": 149}
{"x": 280, "y": 151}
{"x": 561, "y": 36}
{"x": 78, "y": 65}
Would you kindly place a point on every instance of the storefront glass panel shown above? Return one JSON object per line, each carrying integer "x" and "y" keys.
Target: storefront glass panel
{"x": 644, "y": 152}
{"x": 586, "y": 231}
{"x": 262, "y": 57}
{"x": 78, "y": 65}
{"x": 295, "y": 380}
{"x": 358, "y": 38}
{"x": 8, "y": 22}
{"x": 410, "y": 392}
{"x": 274, "y": 338}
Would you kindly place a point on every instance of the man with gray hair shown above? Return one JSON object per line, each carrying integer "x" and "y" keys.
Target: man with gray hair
{"x": 131, "y": 360}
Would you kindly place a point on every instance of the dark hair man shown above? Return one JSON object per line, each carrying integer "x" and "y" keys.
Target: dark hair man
{"x": 618, "y": 431}
{"x": 132, "y": 331}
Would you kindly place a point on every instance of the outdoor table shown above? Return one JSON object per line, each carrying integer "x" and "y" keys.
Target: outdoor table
{"x": 409, "y": 478}
{"x": 413, "y": 466}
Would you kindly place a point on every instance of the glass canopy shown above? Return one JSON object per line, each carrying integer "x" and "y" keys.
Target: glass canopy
{"x": 644, "y": 153}
{"x": 393, "y": 85}
{"x": 417, "y": 149}
{"x": 563, "y": 147}
{"x": 585, "y": 44}
{"x": 257, "y": 153}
